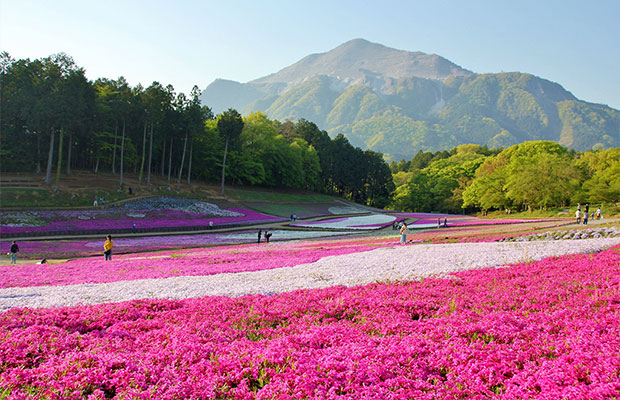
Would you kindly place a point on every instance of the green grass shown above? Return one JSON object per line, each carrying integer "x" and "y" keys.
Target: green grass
{"x": 281, "y": 210}
{"x": 42, "y": 197}
{"x": 251, "y": 195}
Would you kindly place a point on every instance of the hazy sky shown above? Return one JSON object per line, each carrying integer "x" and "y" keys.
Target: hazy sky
{"x": 184, "y": 43}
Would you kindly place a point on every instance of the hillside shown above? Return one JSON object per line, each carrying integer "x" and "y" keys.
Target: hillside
{"x": 398, "y": 102}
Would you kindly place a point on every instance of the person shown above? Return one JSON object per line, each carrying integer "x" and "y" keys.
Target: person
{"x": 260, "y": 233}
{"x": 403, "y": 233}
{"x": 107, "y": 248}
{"x": 95, "y": 203}
{"x": 267, "y": 236}
{"x": 130, "y": 190}
{"x": 133, "y": 228}
{"x": 102, "y": 201}
{"x": 598, "y": 214}
{"x": 13, "y": 252}
{"x": 445, "y": 222}
{"x": 294, "y": 217}
{"x": 438, "y": 222}
{"x": 291, "y": 217}
{"x": 578, "y": 215}
{"x": 586, "y": 213}
{"x": 43, "y": 261}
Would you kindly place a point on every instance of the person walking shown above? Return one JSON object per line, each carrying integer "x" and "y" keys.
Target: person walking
{"x": 585, "y": 216}
{"x": 260, "y": 233}
{"x": 403, "y": 233}
{"x": 107, "y": 248}
{"x": 578, "y": 215}
{"x": 13, "y": 252}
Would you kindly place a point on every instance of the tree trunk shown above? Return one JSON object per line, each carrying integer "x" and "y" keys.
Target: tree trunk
{"x": 114, "y": 150}
{"x": 50, "y": 156}
{"x": 143, "y": 155}
{"x": 170, "y": 159}
{"x": 148, "y": 173}
{"x": 120, "y": 185}
{"x": 38, "y": 152}
{"x": 189, "y": 167}
{"x": 69, "y": 154}
{"x": 182, "y": 161}
{"x": 59, "y": 161}
{"x": 224, "y": 165}
{"x": 163, "y": 158}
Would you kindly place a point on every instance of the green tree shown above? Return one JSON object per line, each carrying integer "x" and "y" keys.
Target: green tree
{"x": 229, "y": 126}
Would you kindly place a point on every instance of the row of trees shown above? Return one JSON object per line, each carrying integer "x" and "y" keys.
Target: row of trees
{"x": 51, "y": 111}
{"x": 529, "y": 175}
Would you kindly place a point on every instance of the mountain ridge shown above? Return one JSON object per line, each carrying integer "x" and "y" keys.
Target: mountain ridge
{"x": 398, "y": 102}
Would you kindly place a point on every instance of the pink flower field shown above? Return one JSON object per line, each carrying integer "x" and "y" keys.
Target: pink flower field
{"x": 546, "y": 329}
{"x": 195, "y": 262}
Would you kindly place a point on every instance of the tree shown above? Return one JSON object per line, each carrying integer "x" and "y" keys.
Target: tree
{"x": 229, "y": 125}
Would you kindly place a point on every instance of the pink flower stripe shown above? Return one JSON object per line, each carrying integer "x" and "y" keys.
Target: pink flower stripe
{"x": 547, "y": 329}
{"x": 163, "y": 219}
{"x": 205, "y": 261}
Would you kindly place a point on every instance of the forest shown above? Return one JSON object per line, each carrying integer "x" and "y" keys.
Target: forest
{"x": 525, "y": 176}
{"x": 55, "y": 120}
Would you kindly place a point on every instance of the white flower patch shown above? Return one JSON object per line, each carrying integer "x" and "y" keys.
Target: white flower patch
{"x": 337, "y": 210}
{"x": 374, "y": 221}
{"x": 204, "y": 208}
{"x": 136, "y": 215}
{"x": 408, "y": 262}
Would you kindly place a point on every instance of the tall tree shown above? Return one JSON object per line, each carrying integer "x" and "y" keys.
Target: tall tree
{"x": 229, "y": 125}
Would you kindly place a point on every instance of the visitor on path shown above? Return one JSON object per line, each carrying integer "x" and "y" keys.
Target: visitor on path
{"x": 445, "y": 222}
{"x": 403, "y": 233}
{"x": 578, "y": 215}
{"x": 438, "y": 222}
{"x": 586, "y": 213}
{"x": 133, "y": 228}
{"x": 598, "y": 214}
{"x": 13, "y": 252}
{"x": 260, "y": 233}
{"x": 130, "y": 190}
{"x": 267, "y": 236}
{"x": 107, "y": 248}
{"x": 95, "y": 202}
{"x": 294, "y": 217}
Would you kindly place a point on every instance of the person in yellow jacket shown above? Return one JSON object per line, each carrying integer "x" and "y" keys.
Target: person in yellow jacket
{"x": 107, "y": 248}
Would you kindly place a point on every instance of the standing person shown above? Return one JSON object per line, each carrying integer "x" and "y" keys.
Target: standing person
{"x": 438, "y": 222}
{"x": 13, "y": 252}
{"x": 585, "y": 216}
{"x": 445, "y": 222}
{"x": 267, "y": 236}
{"x": 260, "y": 232}
{"x": 403, "y": 233}
{"x": 107, "y": 248}
{"x": 578, "y": 215}
{"x": 598, "y": 214}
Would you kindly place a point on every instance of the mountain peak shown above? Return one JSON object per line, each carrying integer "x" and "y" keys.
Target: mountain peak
{"x": 360, "y": 58}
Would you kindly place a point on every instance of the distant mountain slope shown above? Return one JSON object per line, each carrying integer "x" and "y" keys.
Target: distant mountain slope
{"x": 399, "y": 102}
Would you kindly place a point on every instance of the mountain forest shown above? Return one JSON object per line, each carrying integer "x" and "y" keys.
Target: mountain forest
{"x": 55, "y": 120}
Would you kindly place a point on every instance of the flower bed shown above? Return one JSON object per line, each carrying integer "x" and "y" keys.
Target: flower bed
{"x": 144, "y": 214}
{"x": 36, "y": 250}
{"x": 237, "y": 271}
{"x": 374, "y": 221}
{"x": 546, "y": 329}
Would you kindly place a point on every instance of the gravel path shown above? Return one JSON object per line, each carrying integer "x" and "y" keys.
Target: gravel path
{"x": 407, "y": 262}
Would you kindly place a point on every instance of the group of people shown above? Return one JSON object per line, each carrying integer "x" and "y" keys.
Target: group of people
{"x": 582, "y": 216}
{"x": 267, "y": 235}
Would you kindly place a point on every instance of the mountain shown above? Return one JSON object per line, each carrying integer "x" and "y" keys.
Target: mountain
{"x": 398, "y": 102}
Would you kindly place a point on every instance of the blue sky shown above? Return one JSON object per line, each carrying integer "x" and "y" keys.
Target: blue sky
{"x": 574, "y": 43}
